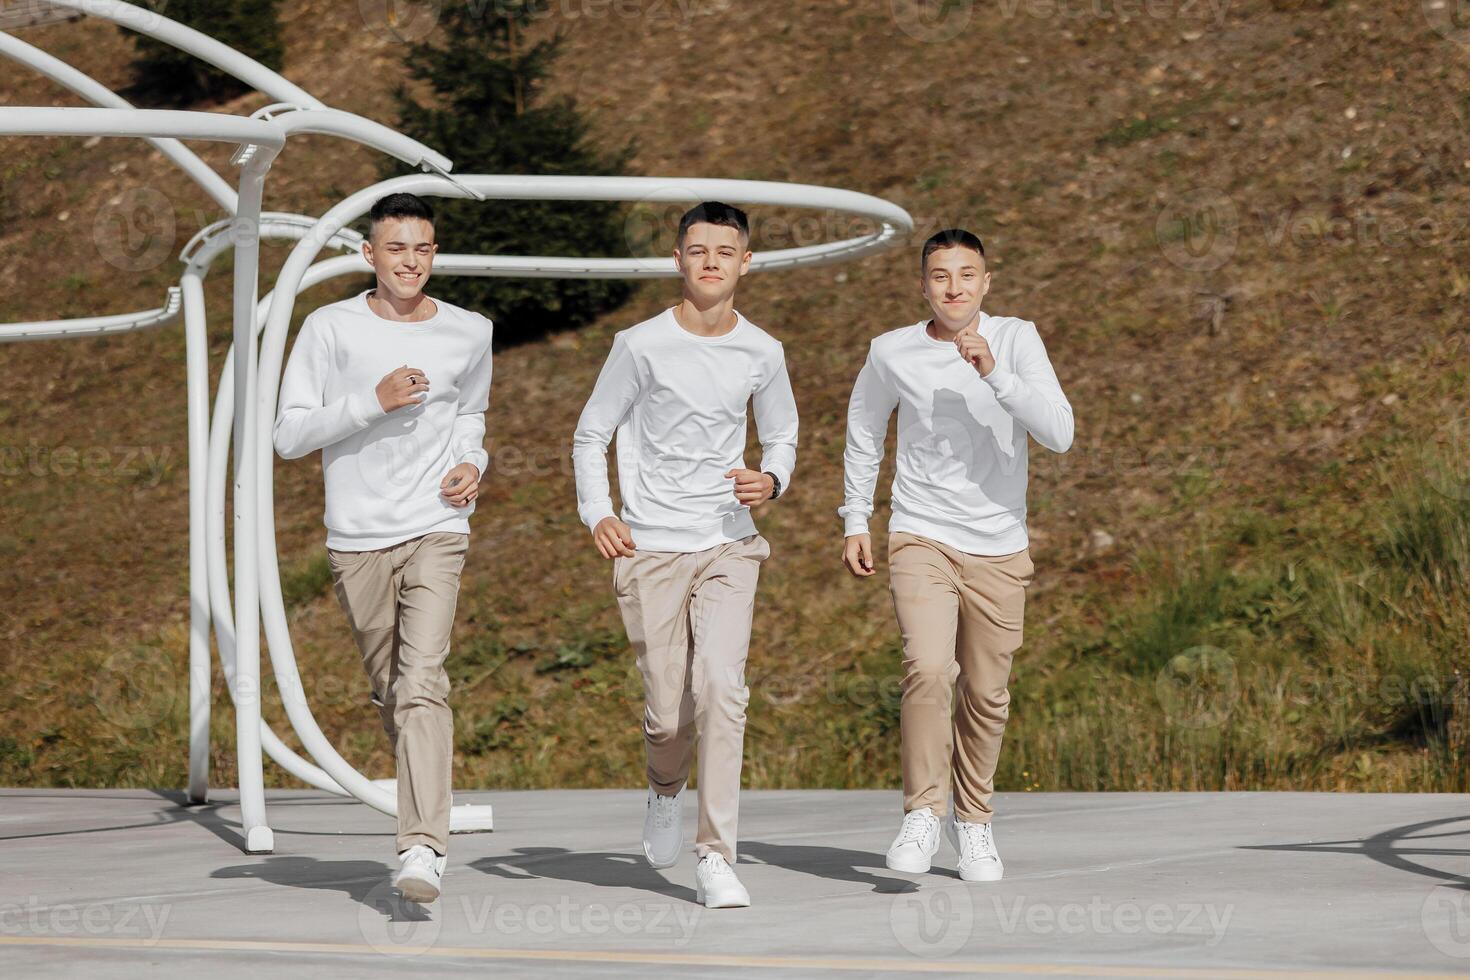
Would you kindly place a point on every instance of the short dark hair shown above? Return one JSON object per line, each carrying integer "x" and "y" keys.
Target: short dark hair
{"x": 949, "y": 238}
{"x": 399, "y": 206}
{"x": 713, "y": 213}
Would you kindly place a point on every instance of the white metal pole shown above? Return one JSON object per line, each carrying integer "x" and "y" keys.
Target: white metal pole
{"x": 258, "y": 837}
{"x": 196, "y": 350}
{"x": 201, "y": 46}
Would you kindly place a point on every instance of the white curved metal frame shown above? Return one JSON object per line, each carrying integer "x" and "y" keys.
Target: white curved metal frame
{"x": 245, "y": 401}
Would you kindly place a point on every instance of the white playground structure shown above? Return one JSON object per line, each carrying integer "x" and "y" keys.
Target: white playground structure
{"x": 245, "y": 400}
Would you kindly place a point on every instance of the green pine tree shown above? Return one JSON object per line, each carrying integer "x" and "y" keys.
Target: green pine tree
{"x": 164, "y": 75}
{"x": 488, "y": 116}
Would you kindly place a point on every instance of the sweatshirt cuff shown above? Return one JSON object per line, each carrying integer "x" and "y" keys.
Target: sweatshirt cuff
{"x": 854, "y": 524}
{"x": 366, "y": 409}
{"x": 478, "y": 457}
{"x": 1001, "y": 381}
{"x": 780, "y": 472}
{"x": 596, "y": 512}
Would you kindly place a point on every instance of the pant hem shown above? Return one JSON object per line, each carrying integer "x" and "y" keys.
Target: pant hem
{"x": 437, "y": 846}
{"x": 701, "y": 851}
{"x": 973, "y": 818}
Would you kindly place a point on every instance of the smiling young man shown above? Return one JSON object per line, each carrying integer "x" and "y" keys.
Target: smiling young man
{"x": 686, "y": 554}
{"x": 969, "y": 388}
{"x": 392, "y": 386}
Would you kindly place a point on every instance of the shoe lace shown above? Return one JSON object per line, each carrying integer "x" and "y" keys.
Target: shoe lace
{"x": 420, "y": 855}
{"x": 663, "y": 811}
{"x": 914, "y": 829}
{"x": 716, "y": 864}
{"x": 979, "y": 843}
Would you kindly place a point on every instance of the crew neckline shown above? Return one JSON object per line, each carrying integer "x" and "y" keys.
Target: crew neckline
{"x": 699, "y": 338}
{"x": 431, "y": 321}
{"x": 923, "y": 328}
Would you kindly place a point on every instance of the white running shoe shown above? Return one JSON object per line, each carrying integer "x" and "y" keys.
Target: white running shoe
{"x": 421, "y": 873}
{"x": 916, "y": 843}
{"x": 975, "y": 844}
{"x": 715, "y": 884}
{"x": 663, "y": 829}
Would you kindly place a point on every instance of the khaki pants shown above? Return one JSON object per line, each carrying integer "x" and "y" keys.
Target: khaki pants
{"x": 400, "y": 604}
{"x": 688, "y": 618}
{"x": 961, "y": 617}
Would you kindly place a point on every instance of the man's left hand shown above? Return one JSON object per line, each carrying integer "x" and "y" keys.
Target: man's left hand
{"x": 461, "y": 485}
{"x": 752, "y": 487}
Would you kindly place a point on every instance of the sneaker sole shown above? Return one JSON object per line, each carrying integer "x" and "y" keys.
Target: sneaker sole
{"x": 648, "y": 856}
{"x": 699, "y": 897}
{"x": 417, "y": 890}
{"x": 910, "y": 867}
{"x": 996, "y": 875}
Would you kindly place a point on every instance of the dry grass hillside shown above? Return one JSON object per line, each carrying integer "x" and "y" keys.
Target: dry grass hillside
{"x": 1251, "y": 565}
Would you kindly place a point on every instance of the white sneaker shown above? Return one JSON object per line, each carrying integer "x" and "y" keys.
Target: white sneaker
{"x": 975, "y": 843}
{"x": 916, "y": 843}
{"x": 715, "y": 884}
{"x": 421, "y": 873}
{"x": 663, "y": 829}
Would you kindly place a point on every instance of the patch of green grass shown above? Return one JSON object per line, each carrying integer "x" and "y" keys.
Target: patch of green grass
{"x": 305, "y": 580}
{"x": 1135, "y": 130}
{"x": 582, "y": 651}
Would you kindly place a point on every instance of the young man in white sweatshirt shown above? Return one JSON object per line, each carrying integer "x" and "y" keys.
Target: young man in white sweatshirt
{"x": 686, "y": 554}
{"x": 969, "y": 388}
{"x": 392, "y": 386}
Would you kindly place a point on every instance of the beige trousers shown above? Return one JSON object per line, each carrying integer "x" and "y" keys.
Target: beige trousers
{"x": 688, "y": 618}
{"x": 400, "y": 604}
{"x": 961, "y": 617}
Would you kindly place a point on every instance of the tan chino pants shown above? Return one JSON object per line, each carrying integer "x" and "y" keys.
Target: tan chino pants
{"x": 960, "y": 616}
{"x": 400, "y": 604}
{"x": 688, "y": 617}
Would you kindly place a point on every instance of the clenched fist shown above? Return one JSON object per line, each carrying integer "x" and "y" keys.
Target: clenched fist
{"x": 401, "y": 387}
{"x": 973, "y": 348}
{"x": 613, "y": 538}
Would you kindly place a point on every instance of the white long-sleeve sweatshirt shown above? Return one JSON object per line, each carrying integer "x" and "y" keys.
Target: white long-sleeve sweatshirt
{"x": 383, "y": 469}
{"x": 961, "y": 473}
{"x": 677, "y": 402}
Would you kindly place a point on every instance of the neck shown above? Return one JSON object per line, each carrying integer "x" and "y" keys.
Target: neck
{"x": 940, "y": 330}
{"x": 390, "y": 307}
{"x": 707, "y": 321}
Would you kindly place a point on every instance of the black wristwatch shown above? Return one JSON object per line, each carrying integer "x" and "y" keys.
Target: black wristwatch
{"x": 775, "y": 485}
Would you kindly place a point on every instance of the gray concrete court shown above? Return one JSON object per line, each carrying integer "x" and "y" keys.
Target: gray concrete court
{"x": 127, "y": 883}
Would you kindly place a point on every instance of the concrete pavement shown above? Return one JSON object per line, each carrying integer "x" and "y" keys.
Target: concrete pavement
{"x": 128, "y": 883}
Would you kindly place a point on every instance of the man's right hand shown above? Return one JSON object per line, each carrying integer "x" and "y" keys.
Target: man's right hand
{"x": 613, "y": 538}
{"x": 857, "y": 555}
{"x": 402, "y": 387}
